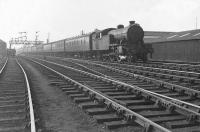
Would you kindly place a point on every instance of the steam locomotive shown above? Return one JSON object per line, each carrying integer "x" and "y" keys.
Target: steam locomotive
{"x": 111, "y": 44}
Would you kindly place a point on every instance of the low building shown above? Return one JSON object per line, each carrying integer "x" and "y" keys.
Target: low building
{"x": 176, "y": 46}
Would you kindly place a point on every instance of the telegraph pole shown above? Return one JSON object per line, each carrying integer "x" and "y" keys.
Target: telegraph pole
{"x": 196, "y": 22}
{"x": 36, "y": 37}
{"x": 19, "y": 39}
{"x": 23, "y": 40}
{"x": 11, "y": 42}
{"x": 48, "y": 38}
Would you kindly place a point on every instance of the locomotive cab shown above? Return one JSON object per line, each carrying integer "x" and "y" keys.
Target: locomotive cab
{"x": 100, "y": 42}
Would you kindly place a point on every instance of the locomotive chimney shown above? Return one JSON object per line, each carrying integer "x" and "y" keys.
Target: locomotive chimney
{"x": 131, "y": 22}
{"x": 120, "y": 26}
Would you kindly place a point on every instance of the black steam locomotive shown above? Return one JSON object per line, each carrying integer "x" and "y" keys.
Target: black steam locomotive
{"x": 121, "y": 44}
{"x": 127, "y": 43}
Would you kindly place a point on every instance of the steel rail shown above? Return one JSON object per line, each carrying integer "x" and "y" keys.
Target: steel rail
{"x": 31, "y": 111}
{"x": 196, "y": 108}
{"x": 138, "y": 118}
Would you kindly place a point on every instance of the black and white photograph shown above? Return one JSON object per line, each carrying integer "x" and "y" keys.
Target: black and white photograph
{"x": 99, "y": 65}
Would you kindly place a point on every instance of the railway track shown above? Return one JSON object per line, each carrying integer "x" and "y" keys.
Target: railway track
{"x": 174, "y": 66}
{"x": 193, "y": 77}
{"x": 190, "y": 67}
{"x": 182, "y": 96}
{"x": 182, "y": 78}
{"x": 16, "y": 109}
{"x": 115, "y": 103}
{"x": 184, "y": 73}
{"x": 181, "y": 66}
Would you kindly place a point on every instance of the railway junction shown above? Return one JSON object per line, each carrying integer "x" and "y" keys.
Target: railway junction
{"x": 122, "y": 78}
{"x": 52, "y": 90}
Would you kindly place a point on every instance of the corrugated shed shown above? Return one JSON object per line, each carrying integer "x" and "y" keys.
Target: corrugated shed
{"x": 152, "y": 36}
{"x": 176, "y": 36}
{"x": 156, "y": 33}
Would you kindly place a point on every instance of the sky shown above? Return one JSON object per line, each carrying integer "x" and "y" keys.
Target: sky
{"x": 66, "y": 18}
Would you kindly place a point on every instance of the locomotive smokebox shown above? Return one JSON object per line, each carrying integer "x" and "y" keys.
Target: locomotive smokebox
{"x": 135, "y": 34}
{"x": 131, "y": 22}
{"x": 120, "y": 26}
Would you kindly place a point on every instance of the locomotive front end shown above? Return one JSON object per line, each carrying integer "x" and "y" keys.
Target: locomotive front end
{"x": 135, "y": 47}
{"x": 126, "y": 43}
{"x": 135, "y": 33}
